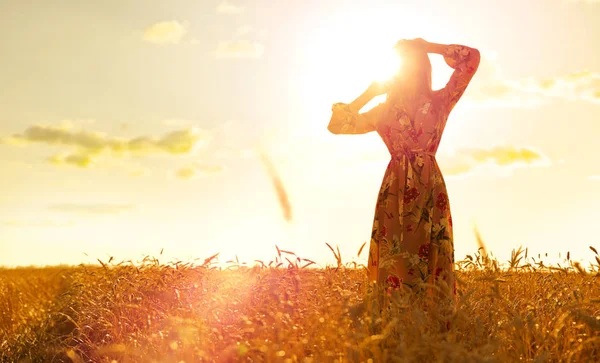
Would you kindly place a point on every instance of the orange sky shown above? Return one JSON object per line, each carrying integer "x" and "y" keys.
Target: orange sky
{"x": 125, "y": 129}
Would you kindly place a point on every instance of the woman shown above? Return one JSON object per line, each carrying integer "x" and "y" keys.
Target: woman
{"x": 411, "y": 240}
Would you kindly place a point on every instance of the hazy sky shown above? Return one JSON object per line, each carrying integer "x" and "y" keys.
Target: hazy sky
{"x": 131, "y": 126}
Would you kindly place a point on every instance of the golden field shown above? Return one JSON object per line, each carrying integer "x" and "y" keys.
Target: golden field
{"x": 286, "y": 311}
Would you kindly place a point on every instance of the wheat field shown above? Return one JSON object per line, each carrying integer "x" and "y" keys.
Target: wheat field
{"x": 288, "y": 311}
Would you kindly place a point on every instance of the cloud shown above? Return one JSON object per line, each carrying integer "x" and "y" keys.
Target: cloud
{"x": 186, "y": 172}
{"x": 240, "y": 46}
{"x": 225, "y": 7}
{"x": 584, "y": 85}
{"x": 243, "y": 30}
{"x": 585, "y": 1}
{"x": 493, "y": 161}
{"x": 139, "y": 171}
{"x": 594, "y": 177}
{"x": 165, "y": 32}
{"x": 91, "y": 208}
{"x": 263, "y": 33}
{"x": 87, "y": 146}
{"x": 196, "y": 169}
{"x": 78, "y": 160}
{"x": 239, "y": 49}
{"x": 490, "y": 88}
{"x": 499, "y": 160}
{"x": 37, "y": 223}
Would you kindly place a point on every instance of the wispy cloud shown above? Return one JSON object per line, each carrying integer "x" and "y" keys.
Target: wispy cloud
{"x": 239, "y": 49}
{"x": 225, "y": 7}
{"x": 42, "y": 223}
{"x": 197, "y": 169}
{"x": 243, "y": 30}
{"x": 240, "y": 46}
{"x": 186, "y": 172}
{"x": 165, "y": 32}
{"x": 585, "y": 1}
{"x": 78, "y": 160}
{"x": 92, "y": 208}
{"x": 499, "y": 160}
{"x": 138, "y": 171}
{"x": 86, "y": 146}
{"x": 594, "y": 177}
{"x": 491, "y": 88}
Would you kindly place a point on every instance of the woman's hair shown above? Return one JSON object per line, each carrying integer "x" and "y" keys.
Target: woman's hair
{"x": 414, "y": 77}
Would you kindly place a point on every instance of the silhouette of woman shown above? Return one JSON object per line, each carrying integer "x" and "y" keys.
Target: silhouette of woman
{"x": 411, "y": 240}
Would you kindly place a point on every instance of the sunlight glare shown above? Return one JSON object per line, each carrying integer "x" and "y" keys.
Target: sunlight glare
{"x": 340, "y": 59}
{"x": 385, "y": 65}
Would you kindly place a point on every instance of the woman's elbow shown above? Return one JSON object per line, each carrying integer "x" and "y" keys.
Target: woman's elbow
{"x": 475, "y": 56}
{"x": 333, "y": 128}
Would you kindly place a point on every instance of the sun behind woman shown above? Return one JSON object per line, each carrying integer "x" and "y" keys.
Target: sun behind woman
{"x": 412, "y": 240}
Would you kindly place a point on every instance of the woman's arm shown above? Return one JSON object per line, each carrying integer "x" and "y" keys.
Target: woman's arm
{"x": 428, "y": 47}
{"x": 465, "y": 61}
{"x": 346, "y": 118}
{"x": 447, "y": 50}
{"x": 375, "y": 89}
{"x": 361, "y": 100}
{"x": 455, "y": 54}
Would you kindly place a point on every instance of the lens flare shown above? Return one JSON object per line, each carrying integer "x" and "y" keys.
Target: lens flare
{"x": 387, "y": 65}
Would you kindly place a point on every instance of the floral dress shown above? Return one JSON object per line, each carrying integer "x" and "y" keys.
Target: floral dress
{"x": 411, "y": 240}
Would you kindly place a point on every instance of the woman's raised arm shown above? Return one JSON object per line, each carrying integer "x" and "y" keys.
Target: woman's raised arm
{"x": 465, "y": 61}
{"x": 346, "y": 118}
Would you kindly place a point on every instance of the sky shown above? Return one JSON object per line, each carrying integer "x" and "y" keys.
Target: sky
{"x": 128, "y": 128}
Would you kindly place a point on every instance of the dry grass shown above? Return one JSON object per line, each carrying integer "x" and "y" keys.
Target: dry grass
{"x": 152, "y": 312}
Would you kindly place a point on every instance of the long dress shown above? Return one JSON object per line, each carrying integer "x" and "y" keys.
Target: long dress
{"x": 411, "y": 240}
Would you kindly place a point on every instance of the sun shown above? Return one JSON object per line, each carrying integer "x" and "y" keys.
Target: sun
{"x": 342, "y": 57}
{"x": 340, "y": 63}
{"x": 386, "y": 64}
{"x": 339, "y": 59}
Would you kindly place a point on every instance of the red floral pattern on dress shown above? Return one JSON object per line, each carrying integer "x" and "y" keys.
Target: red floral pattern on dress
{"x": 424, "y": 251}
{"x": 411, "y": 195}
{"x": 442, "y": 201}
{"x": 394, "y": 281}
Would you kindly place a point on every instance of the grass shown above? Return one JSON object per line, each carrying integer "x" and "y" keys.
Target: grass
{"x": 283, "y": 312}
